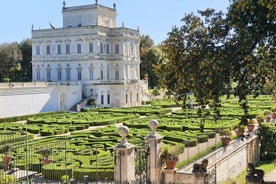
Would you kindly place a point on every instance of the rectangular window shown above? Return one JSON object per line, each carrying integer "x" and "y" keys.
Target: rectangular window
{"x": 101, "y": 48}
{"x": 68, "y": 75}
{"x": 107, "y": 75}
{"x": 117, "y": 75}
{"x": 48, "y": 75}
{"x": 102, "y": 99}
{"x": 79, "y": 74}
{"x": 117, "y": 49}
{"x": 107, "y": 48}
{"x": 58, "y": 49}
{"x": 91, "y": 49}
{"x": 67, "y": 48}
{"x": 38, "y": 75}
{"x": 137, "y": 97}
{"x": 37, "y": 50}
{"x": 48, "y": 50}
{"x": 78, "y": 48}
{"x": 91, "y": 74}
{"x": 59, "y": 75}
{"x": 126, "y": 99}
{"x": 101, "y": 75}
{"x": 108, "y": 99}
{"x": 131, "y": 49}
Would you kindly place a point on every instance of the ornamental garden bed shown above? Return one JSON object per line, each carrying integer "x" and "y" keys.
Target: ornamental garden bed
{"x": 90, "y": 152}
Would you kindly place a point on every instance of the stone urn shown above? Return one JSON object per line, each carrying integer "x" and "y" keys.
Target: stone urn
{"x": 46, "y": 161}
{"x": 273, "y": 115}
{"x": 153, "y": 124}
{"x": 6, "y": 161}
{"x": 267, "y": 118}
{"x": 239, "y": 130}
{"x": 225, "y": 136}
{"x": 239, "y": 133}
{"x": 171, "y": 163}
{"x": 225, "y": 141}
{"x": 123, "y": 132}
{"x": 250, "y": 127}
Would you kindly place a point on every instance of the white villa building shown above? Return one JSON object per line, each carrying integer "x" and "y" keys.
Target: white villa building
{"x": 89, "y": 49}
{"x": 88, "y": 58}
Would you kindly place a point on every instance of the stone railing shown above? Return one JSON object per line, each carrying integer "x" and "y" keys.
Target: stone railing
{"x": 225, "y": 162}
{"x": 23, "y": 84}
{"x": 36, "y": 84}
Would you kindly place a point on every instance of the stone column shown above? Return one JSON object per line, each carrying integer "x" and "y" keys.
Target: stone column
{"x": 124, "y": 167}
{"x": 257, "y": 144}
{"x": 153, "y": 147}
{"x": 201, "y": 179}
{"x": 169, "y": 175}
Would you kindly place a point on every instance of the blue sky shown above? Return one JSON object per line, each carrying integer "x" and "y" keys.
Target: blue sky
{"x": 154, "y": 17}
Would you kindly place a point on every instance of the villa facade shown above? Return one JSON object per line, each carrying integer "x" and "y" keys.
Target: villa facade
{"x": 87, "y": 58}
{"x": 89, "y": 49}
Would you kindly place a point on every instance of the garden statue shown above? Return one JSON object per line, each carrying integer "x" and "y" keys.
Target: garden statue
{"x": 253, "y": 172}
{"x": 200, "y": 168}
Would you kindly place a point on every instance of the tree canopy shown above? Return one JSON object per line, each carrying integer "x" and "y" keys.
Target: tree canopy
{"x": 150, "y": 56}
{"x": 15, "y": 61}
{"x": 10, "y": 57}
{"x": 212, "y": 50}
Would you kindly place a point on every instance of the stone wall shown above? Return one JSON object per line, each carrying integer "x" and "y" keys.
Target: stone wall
{"x": 226, "y": 162}
{"x": 18, "y": 99}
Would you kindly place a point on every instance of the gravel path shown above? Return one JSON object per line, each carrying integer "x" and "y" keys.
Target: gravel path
{"x": 271, "y": 176}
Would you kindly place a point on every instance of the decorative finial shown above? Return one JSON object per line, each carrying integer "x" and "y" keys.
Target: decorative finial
{"x": 114, "y": 6}
{"x": 123, "y": 25}
{"x": 123, "y": 132}
{"x": 64, "y": 4}
{"x": 32, "y": 27}
{"x": 153, "y": 124}
{"x": 138, "y": 28}
{"x": 96, "y": 1}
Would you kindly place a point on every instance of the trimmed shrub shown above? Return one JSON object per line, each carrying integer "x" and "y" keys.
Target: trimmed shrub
{"x": 72, "y": 128}
{"x": 203, "y": 139}
{"x": 190, "y": 143}
{"x": 55, "y": 172}
{"x": 46, "y": 132}
{"x": 92, "y": 174}
{"x": 33, "y": 130}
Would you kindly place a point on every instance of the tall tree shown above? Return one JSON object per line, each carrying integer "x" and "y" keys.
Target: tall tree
{"x": 151, "y": 56}
{"x": 212, "y": 49}
{"x": 196, "y": 62}
{"x": 145, "y": 44}
{"x": 26, "y": 50}
{"x": 251, "y": 49}
{"x": 10, "y": 57}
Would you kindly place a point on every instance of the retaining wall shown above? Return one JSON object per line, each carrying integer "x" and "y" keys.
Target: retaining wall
{"x": 225, "y": 162}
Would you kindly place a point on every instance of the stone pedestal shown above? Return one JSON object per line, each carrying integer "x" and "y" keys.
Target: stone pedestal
{"x": 201, "y": 178}
{"x": 169, "y": 175}
{"x": 253, "y": 180}
{"x": 124, "y": 167}
{"x": 253, "y": 150}
{"x": 153, "y": 160}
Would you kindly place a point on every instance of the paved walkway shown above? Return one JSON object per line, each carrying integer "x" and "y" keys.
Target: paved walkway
{"x": 271, "y": 176}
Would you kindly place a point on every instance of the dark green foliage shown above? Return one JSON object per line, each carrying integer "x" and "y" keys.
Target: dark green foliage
{"x": 15, "y": 62}
{"x": 92, "y": 174}
{"x": 213, "y": 54}
{"x": 180, "y": 127}
{"x": 91, "y": 102}
{"x": 26, "y": 50}
{"x": 55, "y": 172}
{"x": 267, "y": 134}
{"x": 46, "y": 132}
